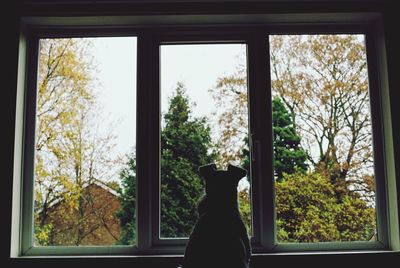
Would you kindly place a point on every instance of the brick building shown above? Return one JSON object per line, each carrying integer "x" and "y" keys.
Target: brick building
{"x": 91, "y": 220}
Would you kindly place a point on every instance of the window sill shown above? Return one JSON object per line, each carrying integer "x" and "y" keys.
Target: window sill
{"x": 180, "y": 256}
{"x": 370, "y": 257}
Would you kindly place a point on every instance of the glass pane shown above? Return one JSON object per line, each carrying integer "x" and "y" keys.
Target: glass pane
{"x": 323, "y": 153}
{"x": 204, "y": 119}
{"x": 84, "y": 178}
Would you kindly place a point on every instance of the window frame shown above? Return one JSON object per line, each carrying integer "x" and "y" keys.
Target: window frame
{"x": 27, "y": 225}
{"x": 377, "y": 129}
{"x": 150, "y": 35}
{"x": 199, "y": 38}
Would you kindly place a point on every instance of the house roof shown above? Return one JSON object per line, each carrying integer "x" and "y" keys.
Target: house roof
{"x": 96, "y": 182}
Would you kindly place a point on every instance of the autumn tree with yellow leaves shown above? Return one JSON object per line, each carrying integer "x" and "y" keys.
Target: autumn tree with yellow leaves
{"x": 322, "y": 81}
{"x": 70, "y": 152}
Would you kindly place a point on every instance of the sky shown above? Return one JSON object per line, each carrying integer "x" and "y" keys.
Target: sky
{"x": 197, "y": 66}
{"x": 115, "y": 60}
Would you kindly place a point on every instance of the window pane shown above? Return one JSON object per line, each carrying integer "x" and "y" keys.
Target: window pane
{"x": 323, "y": 153}
{"x": 204, "y": 119}
{"x": 84, "y": 178}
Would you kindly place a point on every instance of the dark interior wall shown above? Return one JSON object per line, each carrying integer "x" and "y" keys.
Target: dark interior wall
{"x": 62, "y": 7}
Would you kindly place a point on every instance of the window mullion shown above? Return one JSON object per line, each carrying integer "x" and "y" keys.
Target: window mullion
{"x": 147, "y": 139}
{"x": 261, "y": 140}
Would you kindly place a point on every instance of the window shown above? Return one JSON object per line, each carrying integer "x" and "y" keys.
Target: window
{"x": 118, "y": 122}
{"x": 323, "y": 148}
{"x": 84, "y": 143}
{"x": 198, "y": 127}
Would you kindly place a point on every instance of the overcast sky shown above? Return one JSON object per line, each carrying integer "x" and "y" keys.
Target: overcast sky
{"x": 115, "y": 59}
{"x": 197, "y": 66}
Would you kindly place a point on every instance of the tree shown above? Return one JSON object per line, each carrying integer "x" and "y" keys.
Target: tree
{"x": 323, "y": 81}
{"x": 308, "y": 211}
{"x": 127, "y": 212}
{"x": 230, "y": 94}
{"x": 62, "y": 84}
{"x": 71, "y": 154}
{"x": 185, "y": 146}
{"x": 289, "y": 157}
{"x": 245, "y": 209}
{"x": 288, "y": 154}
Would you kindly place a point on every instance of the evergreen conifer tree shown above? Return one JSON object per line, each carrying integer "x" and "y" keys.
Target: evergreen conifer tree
{"x": 185, "y": 146}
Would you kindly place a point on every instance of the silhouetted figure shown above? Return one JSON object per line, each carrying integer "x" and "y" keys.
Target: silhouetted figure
{"x": 219, "y": 238}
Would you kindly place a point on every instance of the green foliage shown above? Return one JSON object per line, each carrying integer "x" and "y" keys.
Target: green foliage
{"x": 185, "y": 145}
{"x": 288, "y": 154}
{"x": 127, "y": 198}
{"x": 308, "y": 211}
{"x": 245, "y": 209}
{"x": 43, "y": 234}
{"x": 355, "y": 220}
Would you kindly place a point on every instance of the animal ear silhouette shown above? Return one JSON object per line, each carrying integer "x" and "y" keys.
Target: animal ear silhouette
{"x": 237, "y": 172}
{"x": 206, "y": 170}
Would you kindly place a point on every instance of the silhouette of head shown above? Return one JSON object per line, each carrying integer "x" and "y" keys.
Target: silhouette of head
{"x": 221, "y": 188}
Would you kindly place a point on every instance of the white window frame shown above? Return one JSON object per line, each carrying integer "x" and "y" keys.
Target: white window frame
{"x": 153, "y": 31}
